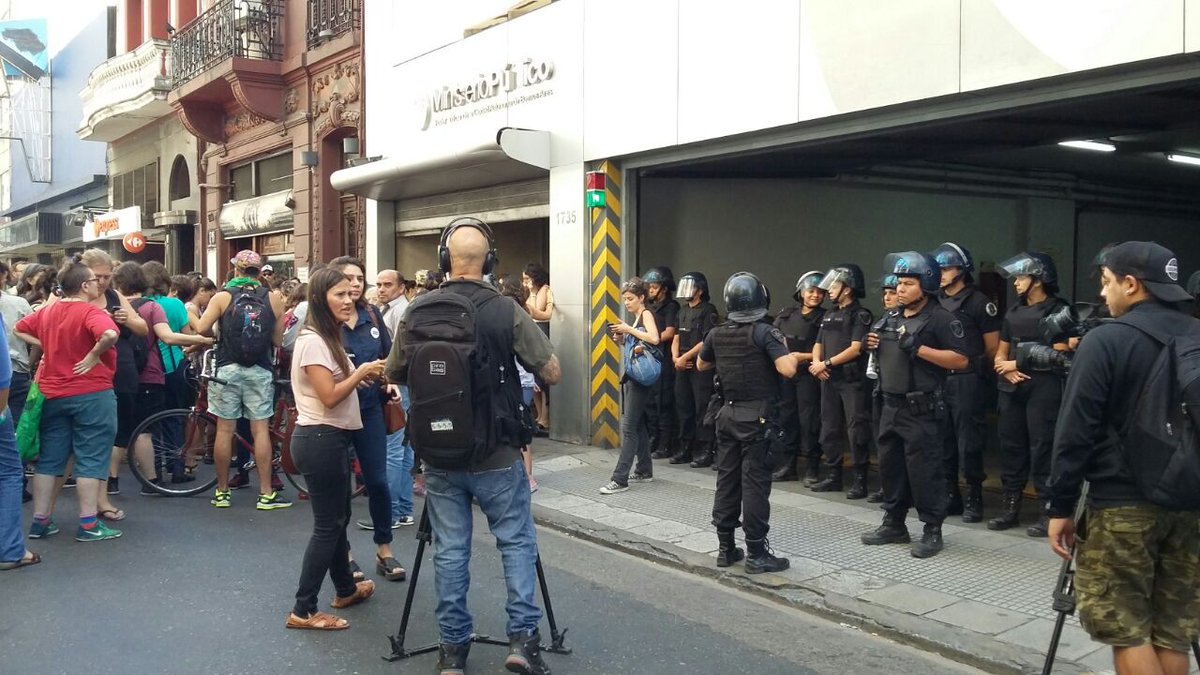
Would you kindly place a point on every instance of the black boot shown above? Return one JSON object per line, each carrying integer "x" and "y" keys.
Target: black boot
{"x": 858, "y": 489}
{"x": 787, "y": 472}
{"x": 812, "y": 472}
{"x": 452, "y": 659}
{"x": 892, "y": 531}
{"x": 832, "y": 482}
{"x": 525, "y": 655}
{"x": 662, "y": 453}
{"x": 954, "y": 501}
{"x": 973, "y": 504}
{"x": 705, "y": 458}
{"x": 762, "y": 558}
{"x": 729, "y": 553}
{"x": 684, "y": 456}
{"x": 1010, "y": 516}
{"x": 931, "y": 542}
{"x": 1039, "y": 529}
{"x": 875, "y": 497}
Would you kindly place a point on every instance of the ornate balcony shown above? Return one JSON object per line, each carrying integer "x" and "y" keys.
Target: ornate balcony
{"x": 328, "y": 19}
{"x": 126, "y": 92}
{"x": 233, "y": 51}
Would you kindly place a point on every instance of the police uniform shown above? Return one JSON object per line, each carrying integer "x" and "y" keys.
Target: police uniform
{"x": 694, "y": 388}
{"x": 744, "y": 354}
{"x": 661, "y": 412}
{"x": 800, "y": 397}
{"x": 964, "y": 389}
{"x": 910, "y": 462}
{"x": 845, "y": 396}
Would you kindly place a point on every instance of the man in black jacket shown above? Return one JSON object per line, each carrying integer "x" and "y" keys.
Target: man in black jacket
{"x": 1138, "y": 577}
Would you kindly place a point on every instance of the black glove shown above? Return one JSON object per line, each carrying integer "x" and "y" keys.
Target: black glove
{"x": 910, "y": 343}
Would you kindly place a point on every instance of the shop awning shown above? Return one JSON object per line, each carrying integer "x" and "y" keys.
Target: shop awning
{"x": 257, "y": 215}
{"x": 513, "y": 155}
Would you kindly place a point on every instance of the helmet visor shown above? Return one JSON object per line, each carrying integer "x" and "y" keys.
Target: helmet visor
{"x": 1021, "y": 265}
{"x": 835, "y": 275}
{"x": 687, "y": 288}
{"x": 809, "y": 280}
{"x": 949, "y": 255}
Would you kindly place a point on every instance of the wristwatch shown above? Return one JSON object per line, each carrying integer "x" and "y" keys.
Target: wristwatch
{"x": 828, "y": 363}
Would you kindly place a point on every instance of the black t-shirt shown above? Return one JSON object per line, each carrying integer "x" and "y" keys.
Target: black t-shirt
{"x": 765, "y": 336}
{"x": 666, "y": 315}
{"x": 839, "y": 328}
{"x": 942, "y": 330}
{"x": 694, "y": 323}
{"x": 978, "y": 314}
{"x": 125, "y": 378}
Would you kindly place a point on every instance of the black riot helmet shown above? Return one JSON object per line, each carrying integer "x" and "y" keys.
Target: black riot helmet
{"x": 746, "y": 298}
{"x": 1033, "y": 264}
{"x": 848, "y": 274}
{"x": 950, "y": 254}
{"x": 889, "y": 282}
{"x": 662, "y": 276}
{"x": 810, "y": 279}
{"x": 689, "y": 284}
{"x": 922, "y": 266}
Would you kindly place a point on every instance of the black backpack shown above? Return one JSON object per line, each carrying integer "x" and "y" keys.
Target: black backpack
{"x": 1162, "y": 440}
{"x": 460, "y": 390}
{"x": 248, "y": 326}
{"x": 133, "y": 345}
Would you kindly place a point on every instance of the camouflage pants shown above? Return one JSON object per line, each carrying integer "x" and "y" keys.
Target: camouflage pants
{"x": 1138, "y": 577}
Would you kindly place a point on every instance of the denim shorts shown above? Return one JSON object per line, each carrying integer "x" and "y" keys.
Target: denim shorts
{"x": 83, "y": 425}
{"x": 249, "y": 391}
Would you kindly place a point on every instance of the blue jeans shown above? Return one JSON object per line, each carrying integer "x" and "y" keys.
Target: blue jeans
{"x": 503, "y": 496}
{"x": 399, "y": 467}
{"x": 83, "y": 425}
{"x": 370, "y": 444}
{"x": 12, "y": 542}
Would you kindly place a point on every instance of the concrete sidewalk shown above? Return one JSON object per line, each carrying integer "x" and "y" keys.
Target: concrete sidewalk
{"x": 985, "y": 600}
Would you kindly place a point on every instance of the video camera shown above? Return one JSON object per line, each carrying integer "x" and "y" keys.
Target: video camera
{"x": 1072, "y": 321}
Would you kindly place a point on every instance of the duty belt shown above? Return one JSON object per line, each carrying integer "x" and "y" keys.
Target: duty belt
{"x": 918, "y": 402}
{"x": 974, "y": 367}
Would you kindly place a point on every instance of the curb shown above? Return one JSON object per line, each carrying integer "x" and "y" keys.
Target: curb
{"x": 965, "y": 647}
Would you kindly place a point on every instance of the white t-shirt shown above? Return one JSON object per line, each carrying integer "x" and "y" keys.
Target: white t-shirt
{"x": 311, "y": 350}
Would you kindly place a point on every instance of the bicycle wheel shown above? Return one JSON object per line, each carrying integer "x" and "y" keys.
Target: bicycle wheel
{"x": 176, "y": 446}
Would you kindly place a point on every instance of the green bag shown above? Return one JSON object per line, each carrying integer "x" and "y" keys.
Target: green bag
{"x": 29, "y": 430}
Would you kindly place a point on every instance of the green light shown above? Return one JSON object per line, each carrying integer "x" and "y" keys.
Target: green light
{"x": 596, "y": 199}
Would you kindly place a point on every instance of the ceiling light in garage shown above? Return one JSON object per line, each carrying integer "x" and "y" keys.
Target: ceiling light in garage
{"x": 1098, "y": 146}
{"x": 1184, "y": 159}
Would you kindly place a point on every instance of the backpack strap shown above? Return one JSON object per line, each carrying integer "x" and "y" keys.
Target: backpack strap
{"x": 1134, "y": 321}
{"x": 371, "y": 310}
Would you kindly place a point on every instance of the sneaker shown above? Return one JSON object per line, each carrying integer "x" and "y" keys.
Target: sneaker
{"x": 148, "y": 491}
{"x": 525, "y": 655}
{"x": 403, "y": 521}
{"x": 69, "y": 483}
{"x": 367, "y": 524}
{"x": 98, "y": 533}
{"x": 37, "y": 531}
{"x": 613, "y": 488}
{"x": 114, "y": 486}
{"x": 239, "y": 481}
{"x": 222, "y": 499}
{"x": 271, "y": 502}
{"x": 639, "y": 477}
{"x": 452, "y": 659}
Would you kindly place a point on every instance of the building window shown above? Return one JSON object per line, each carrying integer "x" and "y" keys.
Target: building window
{"x": 261, "y": 177}
{"x": 137, "y": 188}
{"x": 180, "y": 186}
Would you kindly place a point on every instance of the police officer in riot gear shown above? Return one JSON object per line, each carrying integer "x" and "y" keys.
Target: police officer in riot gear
{"x": 919, "y": 343}
{"x": 660, "y": 283}
{"x": 800, "y": 403}
{"x": 839, "y": 362}
{"x": 887, "y": 288}
{"x": 693, "y": 388}
{"x": 965, "y": 394}
{"x": 749, "y": 355}
{"x": 1029, "y": 400}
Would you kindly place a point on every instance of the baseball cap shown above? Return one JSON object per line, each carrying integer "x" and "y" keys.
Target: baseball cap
{"x": 268, "y": 268}
{"x": 1151, "y": 263}
{"x": 246, "y": 259}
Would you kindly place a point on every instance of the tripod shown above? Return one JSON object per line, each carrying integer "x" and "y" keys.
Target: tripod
{"x": 424, "y": 536}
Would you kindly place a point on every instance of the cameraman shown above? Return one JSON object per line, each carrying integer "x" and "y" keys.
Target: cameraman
{"x": 1138, "y": 577}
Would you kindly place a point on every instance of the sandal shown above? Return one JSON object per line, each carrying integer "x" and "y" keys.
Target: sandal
{"x": 357, "y": 572}
{"x": 318, "y": 621}
{"x": 111, "y": 514}
{"x": 390, "y": 568}
{"x": 30, "y": 558}
{"x": 362, "y": 591}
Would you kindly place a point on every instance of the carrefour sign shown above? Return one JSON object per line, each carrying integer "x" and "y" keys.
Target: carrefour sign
{"x": 467, "y": 98}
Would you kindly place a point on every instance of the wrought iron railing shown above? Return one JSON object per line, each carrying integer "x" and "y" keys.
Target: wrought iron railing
{"x": 251, "y": 29}
{"x": 328, "y": 19}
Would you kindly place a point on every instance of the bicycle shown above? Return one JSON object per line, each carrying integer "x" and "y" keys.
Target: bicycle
{"x": 182, "y": 439}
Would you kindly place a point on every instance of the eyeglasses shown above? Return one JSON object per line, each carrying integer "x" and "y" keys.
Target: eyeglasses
{"x": 88, "y": 281}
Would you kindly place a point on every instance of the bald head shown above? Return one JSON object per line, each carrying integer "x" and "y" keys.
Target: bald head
{"x": 468, "y": 249}
{"x": 389, "y": 284}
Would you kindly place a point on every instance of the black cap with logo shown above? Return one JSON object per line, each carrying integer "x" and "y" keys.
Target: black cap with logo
{"x": 1152, "y": 264}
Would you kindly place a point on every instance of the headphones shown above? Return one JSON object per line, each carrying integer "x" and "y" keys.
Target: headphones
{"x": 443, "y": 250}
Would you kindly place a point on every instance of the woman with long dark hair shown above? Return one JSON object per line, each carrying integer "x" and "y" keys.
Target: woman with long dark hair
{"x": 540, "y": 305}
{"x": 326, "y": 388}
{"x": 365, "y": 338}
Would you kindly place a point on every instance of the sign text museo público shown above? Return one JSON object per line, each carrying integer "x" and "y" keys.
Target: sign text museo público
{"x": 446, "y": 98}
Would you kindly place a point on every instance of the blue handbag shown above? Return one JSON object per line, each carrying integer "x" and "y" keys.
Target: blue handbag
{"x": 644, "y": 368}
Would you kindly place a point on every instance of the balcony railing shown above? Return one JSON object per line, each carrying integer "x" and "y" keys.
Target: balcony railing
{"x": 124, "y": 84}
{"x": 250, "y": 29}
{"x": 328, "y": 19}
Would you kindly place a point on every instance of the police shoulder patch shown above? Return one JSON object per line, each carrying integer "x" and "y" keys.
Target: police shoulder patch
{"x": 956, "y": 327}
{"x": 777, "y": 334}
{"x": 864, "y": 317}
{"x": 991, "y": 309}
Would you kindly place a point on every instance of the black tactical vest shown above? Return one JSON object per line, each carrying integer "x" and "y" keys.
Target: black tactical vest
{"x": 691, "y": 324}
{"x": 800, "y": 330}
{"x": 746, "y": 372}
{"x": 897, "y": 372}
{"x": 972, "y": 336}
{"x": 1023, "y": 321}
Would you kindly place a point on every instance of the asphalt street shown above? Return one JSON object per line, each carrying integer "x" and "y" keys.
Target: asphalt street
{"x": 190, "y": 589}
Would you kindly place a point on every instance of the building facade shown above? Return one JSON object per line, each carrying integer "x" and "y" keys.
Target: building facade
{"x": 772, "y": 136}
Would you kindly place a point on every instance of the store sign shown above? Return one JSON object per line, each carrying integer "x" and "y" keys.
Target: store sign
{"x": 114, "y": 224}
{"x": 469, "y": 98}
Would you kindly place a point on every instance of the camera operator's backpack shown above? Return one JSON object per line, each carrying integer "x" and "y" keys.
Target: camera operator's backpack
{"x": 248, "y": 325}
{"x": 1162, "y": 439}
{"x": 460, "y": 386}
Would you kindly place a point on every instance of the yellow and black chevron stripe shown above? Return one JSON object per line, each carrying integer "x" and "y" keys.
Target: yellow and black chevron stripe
{"x": 606, "y": 304}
